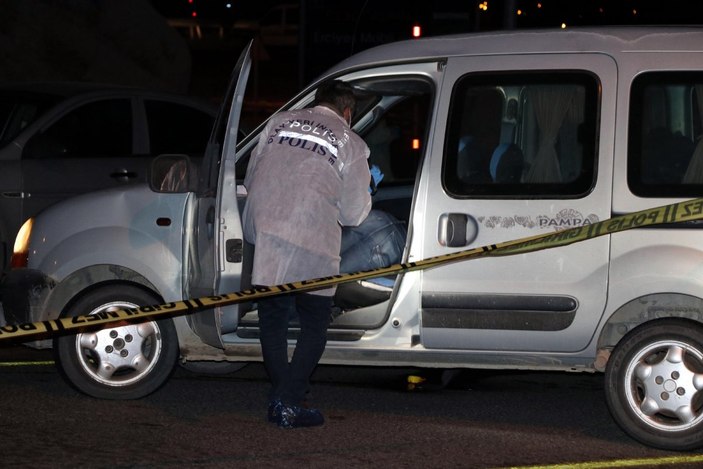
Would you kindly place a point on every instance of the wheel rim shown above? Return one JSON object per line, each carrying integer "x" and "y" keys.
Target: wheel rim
{"x": 663, "y": 383}
{"x": 119, "y": 356}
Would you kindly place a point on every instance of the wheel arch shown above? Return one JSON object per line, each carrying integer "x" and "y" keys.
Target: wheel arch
{"x": 643, "y": 310}
{"x": 88, "y": 279}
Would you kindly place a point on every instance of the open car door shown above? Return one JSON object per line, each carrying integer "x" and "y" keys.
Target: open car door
{"x": 215, "y": 237}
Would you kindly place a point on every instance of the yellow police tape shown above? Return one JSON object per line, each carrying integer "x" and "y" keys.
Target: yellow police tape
{"x": 674, "y": 213}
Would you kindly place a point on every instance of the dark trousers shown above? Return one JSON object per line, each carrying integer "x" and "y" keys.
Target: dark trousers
{"x": 290, "y": 381}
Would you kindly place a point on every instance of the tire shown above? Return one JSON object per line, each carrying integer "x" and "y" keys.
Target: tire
{"x": 654, "y": 384}
{"x": 125, "y": 362}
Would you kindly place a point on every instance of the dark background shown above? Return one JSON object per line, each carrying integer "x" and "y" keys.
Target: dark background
{"x": 151, "y": 43}
{"x": 333, "y": 30}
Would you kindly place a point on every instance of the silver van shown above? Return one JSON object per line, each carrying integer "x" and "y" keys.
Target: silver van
{"x": 483, "y": 138}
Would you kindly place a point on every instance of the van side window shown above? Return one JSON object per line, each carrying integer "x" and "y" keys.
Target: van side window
{"x": 532, "y": 135}
{"x": 665, "y": 154}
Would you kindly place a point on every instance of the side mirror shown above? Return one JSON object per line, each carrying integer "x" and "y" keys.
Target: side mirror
{"x": 172, "y": 174}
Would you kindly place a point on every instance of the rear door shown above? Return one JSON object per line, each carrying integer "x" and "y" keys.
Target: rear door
{"x": 526, "y": 149}
{"x": 215, "y": 241}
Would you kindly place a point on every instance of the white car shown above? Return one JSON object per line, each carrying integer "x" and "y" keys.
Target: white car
{"x": 62, "y": 139}
{"x": 483, "y": 138}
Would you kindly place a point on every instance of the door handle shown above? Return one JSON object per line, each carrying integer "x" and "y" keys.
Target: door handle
{"x": 457, "y": 229}
{"x": 15, "y": 195}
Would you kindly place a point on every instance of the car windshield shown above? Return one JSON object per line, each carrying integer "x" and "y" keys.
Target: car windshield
{"x": 18, "y": 110}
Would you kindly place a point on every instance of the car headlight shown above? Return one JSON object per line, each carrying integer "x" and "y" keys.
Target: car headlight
{"x": 20, "y": 251}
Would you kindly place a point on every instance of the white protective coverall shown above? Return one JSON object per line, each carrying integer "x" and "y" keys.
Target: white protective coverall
{"x": 307, "y": 176}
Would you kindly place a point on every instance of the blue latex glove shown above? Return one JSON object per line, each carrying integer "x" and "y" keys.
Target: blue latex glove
{"x": 376, "y": 178}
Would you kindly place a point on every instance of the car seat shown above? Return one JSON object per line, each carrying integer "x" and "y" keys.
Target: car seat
{"x": 507, "y": 164}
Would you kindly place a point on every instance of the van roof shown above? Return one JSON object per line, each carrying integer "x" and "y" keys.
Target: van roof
{"x": 612, "y": 40}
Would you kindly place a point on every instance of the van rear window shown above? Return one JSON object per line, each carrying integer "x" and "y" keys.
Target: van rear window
{"x": 665, "y": 153}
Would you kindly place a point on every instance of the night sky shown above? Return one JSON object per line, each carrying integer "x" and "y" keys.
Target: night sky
{"x": 127, "y": 42}
{"x": 481, "y": 14}
{"x": 356, "y": 25}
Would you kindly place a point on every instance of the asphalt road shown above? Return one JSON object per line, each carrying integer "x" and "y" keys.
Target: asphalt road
{"x": 479, "y": 420}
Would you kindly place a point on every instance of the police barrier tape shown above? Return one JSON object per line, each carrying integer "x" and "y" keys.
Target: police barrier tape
{"x": 688, "y": 211}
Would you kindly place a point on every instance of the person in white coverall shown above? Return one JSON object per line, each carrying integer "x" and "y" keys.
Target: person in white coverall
{"x": 307, "y": 177}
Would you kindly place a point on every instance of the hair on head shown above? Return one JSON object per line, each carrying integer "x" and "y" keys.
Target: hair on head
{"x": 338, "y": 94}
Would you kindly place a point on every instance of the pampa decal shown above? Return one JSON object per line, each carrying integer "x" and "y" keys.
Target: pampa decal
{"x": 564, "y": 219}
{"x": 567, "y": 218}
